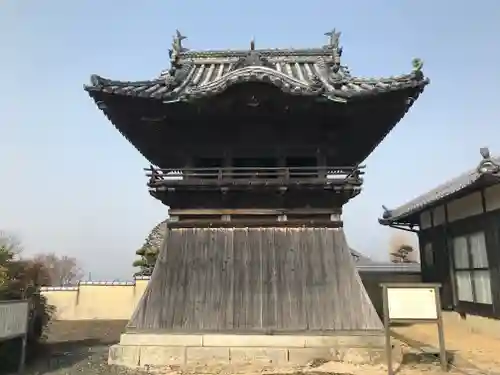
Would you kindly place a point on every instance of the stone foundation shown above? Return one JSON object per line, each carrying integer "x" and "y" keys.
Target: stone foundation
{"x": 138, "y": 350}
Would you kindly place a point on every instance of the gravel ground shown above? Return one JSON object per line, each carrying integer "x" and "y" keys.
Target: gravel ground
{"x": 81, "y": 348}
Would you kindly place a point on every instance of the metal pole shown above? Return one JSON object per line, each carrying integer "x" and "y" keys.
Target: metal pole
{"x": 442, "y": 343}
{"x": 22, "y": 360}
{"x": 387, "y": 331}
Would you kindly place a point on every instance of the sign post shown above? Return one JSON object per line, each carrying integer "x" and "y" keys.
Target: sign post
{"x": 14, "y": 317}
{"x": 412, "y": 303}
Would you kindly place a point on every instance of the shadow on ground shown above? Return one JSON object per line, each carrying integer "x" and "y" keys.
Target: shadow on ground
{"x": 75, "y": 347}
{"x": 57, "y": 356}
{"x": 106, "y": 331}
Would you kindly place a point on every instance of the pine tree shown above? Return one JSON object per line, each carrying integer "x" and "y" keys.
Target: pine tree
{"x": 149, "y": 251}
{"x": 403, "y": 255}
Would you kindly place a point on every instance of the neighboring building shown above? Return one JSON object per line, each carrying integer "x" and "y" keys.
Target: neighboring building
{"x": 458, "y": 225}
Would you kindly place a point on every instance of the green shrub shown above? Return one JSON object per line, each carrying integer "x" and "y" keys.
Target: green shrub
{"x": 21, "y": 279}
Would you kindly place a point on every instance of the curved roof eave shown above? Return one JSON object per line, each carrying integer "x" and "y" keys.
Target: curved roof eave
{"x": 191, "y": 84}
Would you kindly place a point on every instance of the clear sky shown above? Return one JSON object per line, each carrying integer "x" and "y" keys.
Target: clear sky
{"x": 70, "y": 183}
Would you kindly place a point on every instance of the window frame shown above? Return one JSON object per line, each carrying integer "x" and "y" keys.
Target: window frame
{"x": 470, "y": 269}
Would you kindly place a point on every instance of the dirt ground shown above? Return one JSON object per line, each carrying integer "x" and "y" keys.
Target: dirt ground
{"x": 480, "y": 350}
{"x": 81, "y": 348}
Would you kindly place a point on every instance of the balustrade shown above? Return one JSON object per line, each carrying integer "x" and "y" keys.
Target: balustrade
{"x": 254, "y": 175}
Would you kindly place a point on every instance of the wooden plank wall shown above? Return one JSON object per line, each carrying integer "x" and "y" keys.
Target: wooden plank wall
{"x": 262, "y": 280}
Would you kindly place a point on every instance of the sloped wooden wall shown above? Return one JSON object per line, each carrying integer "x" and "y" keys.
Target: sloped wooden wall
{"x": 262, "y": 280}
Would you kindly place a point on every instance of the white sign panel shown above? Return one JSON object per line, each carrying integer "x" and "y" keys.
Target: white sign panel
{"x": 13, "y": 318}
{"x": 412, "y": 303}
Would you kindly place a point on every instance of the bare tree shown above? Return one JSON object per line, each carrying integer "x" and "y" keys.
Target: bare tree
{"x": 10, "y": 243}
{"x": 402, "y": 248}
{"x": 62, "y": 270}
{"x": 18, "y": 276}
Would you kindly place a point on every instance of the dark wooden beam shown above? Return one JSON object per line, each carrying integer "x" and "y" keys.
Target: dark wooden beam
{"x": 256, "y": 223}
{"x": 257, "y": 212}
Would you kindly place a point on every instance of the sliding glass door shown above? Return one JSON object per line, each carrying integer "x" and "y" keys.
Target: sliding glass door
{"x": 471, "y": 268}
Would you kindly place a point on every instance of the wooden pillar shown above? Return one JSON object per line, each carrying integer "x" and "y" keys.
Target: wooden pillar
{"x": 189, "y": 163}
{"x": 227, "y": 163}
{"x": 321, "y": 160}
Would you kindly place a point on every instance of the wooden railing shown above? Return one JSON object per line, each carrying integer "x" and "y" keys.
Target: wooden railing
{"x": 254, "y": 175}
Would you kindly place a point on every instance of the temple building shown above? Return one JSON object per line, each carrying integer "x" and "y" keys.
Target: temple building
{"x": 255, "y": 152}
{"x": 458, "y": 225}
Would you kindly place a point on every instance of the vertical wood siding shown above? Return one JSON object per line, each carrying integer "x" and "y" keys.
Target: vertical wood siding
{"x": 255, "y": 280}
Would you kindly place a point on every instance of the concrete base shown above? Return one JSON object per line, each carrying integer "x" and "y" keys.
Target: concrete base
{"x": 138, "y": 349}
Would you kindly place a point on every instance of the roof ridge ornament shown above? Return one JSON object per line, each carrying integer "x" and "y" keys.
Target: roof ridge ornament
{"x": 252, "y": 58}
{"x": 487, "y": 165}
{"x": 334, "y": 45}
{"x": 177, "y": 48}
{"x": 417, "y": 64}
{"x": 387, "y": 213}
{"x": 333, "y": 38}
{"x": 485, "y": 153}
{"x": 178, "y": 71}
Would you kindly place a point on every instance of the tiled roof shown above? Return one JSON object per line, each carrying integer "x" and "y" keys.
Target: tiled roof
{"x": 318, "y": 71}
{"x": 389, "y": 267}
{"x": 488, "y": 166}
{"x": 209, "y": 78}
{"x": 361, "y": 259}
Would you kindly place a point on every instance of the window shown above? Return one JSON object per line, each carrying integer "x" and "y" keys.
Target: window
{"x": 471, "y": 269}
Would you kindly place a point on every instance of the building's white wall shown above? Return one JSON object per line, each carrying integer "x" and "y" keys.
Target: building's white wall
{"x": 425, "y": 220}
{"x": 458, "y": 209}
{"x": 492, "y": 198}
{"x": 438, "y": 216}
{"x": 467, "y": 206}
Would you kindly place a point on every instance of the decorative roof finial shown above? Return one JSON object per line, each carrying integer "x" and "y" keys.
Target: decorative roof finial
{"x": 487, "y": 165}
{"x": 252, "y": 44}
{"x": 485, "y": 153}
{"x": 333, "y": 38}
{"x": 417, "y": 64}
{"x": 177, "y": 47}
{"x": 336, "y": 50}
{"x": 387, "y": 213}
{"x": 178, "y": 38}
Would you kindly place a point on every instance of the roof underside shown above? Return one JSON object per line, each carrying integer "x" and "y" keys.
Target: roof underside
{"x": 316, "y": 74}
{"x": 486, "y": 173}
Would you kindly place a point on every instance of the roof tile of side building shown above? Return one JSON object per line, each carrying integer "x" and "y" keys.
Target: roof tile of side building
{"x": 487, "y": 167}
{"x": 312, "y": 72}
